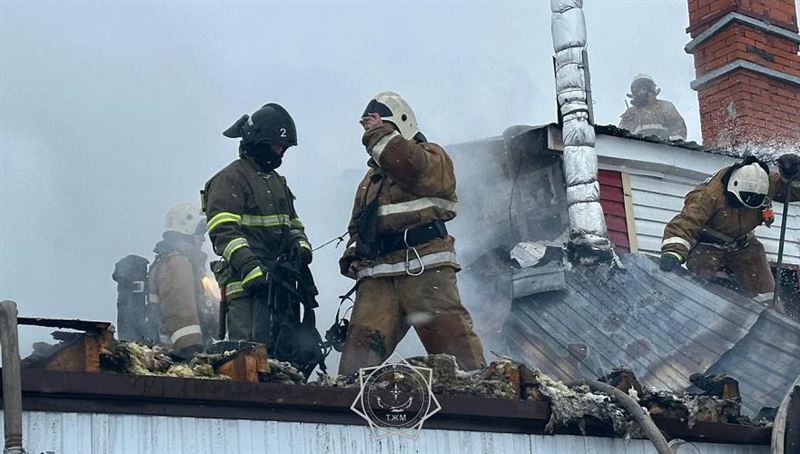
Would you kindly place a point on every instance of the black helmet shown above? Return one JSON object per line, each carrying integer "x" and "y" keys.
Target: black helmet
{"x": 269, "y": 124}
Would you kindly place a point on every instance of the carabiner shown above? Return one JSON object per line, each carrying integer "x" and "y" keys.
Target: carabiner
{"x": 408, "y": 257}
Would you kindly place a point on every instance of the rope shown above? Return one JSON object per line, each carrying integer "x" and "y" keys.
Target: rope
{"x": 338, "y": 240}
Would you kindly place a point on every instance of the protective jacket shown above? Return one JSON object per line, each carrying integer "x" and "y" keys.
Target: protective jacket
{"x": 413, "y": 184}
{"x": 712, "y": 216}
{"x": 660, "y": 119}
{"x": 175, "y": 287}
{"x": 251, "y": 219}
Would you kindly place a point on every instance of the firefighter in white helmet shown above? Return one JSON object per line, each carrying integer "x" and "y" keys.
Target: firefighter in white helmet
{"x": 399, "y": 249}
{"x": 186, "y": 309}
{"x": 649, "y": 116}
{"x": 714, "y": 231}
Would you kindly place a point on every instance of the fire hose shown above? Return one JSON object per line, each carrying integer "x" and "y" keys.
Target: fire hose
{"x": 634, "y": 410}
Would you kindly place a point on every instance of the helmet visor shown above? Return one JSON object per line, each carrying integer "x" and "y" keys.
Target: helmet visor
{"x": 379, "y": 108}
{"x": 753, "y": 199}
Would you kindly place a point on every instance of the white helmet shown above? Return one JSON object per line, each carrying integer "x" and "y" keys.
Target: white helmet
{"x": 394, "y": 109}
{"x": 186, "y": 219}
{"x": 642, "y": 77}
{"x": 750, "y": 184}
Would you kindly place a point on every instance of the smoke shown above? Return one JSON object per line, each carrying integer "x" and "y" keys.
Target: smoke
{"x": 112, "y": 113}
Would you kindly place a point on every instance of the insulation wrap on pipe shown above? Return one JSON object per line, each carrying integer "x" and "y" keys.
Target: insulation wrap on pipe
{"x": 587, "y": 223}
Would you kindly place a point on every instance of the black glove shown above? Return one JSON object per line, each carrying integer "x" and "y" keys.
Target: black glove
{"x": 300, "y": 254}
{"x": 256, "y": 279}
{"x": 789, "y": 166}
{"x": 669, "y": 261}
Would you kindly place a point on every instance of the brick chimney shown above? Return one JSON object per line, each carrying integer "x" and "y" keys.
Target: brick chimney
{"x": 748, "y": 71}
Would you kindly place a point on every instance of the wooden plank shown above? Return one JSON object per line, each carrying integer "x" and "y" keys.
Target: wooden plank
{"x": 630, "y": 219}
{"x": 617, "y": 224}
{"x": 613, "y": 208}
{"x": 611, "y": 193}
{"x": 80, "y": 353}
{"x": 609, "y": 178}
{"x": 246, "y": 365}
{"x": 620, "y": 239}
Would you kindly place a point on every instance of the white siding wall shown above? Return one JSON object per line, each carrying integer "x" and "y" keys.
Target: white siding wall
{"x": 658, "y": 198}
{"x": 84, "y": 433}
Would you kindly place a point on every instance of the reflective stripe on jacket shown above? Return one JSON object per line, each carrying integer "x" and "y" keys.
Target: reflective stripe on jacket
{"x": 707, "y": 206}
{"x": 660, "y": 119}
{"x": 173, "y": 285}
{"x": 251, "y": 216}
{"x": 414, "y": 184}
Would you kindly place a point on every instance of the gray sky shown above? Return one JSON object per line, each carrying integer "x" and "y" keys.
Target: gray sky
{"x": 112, "y": 112}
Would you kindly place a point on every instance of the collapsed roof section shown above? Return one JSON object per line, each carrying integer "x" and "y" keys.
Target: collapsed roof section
{"x": 663, "y": 326}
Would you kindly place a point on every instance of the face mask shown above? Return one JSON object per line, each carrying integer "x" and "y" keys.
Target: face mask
{"x": 754, "y": 199}
{"x": 262, "y": 153}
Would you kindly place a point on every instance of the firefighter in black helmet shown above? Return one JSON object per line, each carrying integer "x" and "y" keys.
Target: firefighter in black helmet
{"x": 254, "y": 227}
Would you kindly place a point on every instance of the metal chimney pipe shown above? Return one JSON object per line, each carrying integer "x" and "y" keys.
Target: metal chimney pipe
{"x": 12, "y": 383}
{"x": 588, "y": 235}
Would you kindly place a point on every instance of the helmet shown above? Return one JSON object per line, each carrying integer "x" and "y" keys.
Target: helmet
{"x": 749, "y": 184}
{"x": 644, "y": 78}
{"x": 269, "y": 124}
{"x": 395, "y": 110}
{"x": 186, "y": 219}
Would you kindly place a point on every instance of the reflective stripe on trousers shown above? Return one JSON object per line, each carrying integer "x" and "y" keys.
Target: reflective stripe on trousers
{"x": 185, "y": 331}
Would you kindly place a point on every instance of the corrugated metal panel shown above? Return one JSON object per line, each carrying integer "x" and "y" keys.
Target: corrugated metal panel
{"x": 769, "y": 352}
{"x": 665, "y": 326}
{"x": 612, "y": 198}
{"x": 93, "y": 433}
{"x": 658, "y": 198}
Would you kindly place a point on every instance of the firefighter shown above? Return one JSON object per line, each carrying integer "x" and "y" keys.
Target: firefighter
{"x": 399, "y": 250}
{"x": 649, "y": 116}
{"x": 254, "y": 227}
{"x": 181, "y": 305}
{"x": 714, "y": 231}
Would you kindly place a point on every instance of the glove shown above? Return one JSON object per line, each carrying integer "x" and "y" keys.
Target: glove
{"x": 300, "y": 253}
{"x": 789, "y": 166}
{"x": 669, "y": 261}
{"x": 256, "y": 279}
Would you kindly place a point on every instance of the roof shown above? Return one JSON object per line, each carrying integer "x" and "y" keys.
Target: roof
{"x": 611, "y": 130}
{"x": 664, "y": 326}
{"x": 71, "y": 411}
{"x": 769, "y": 355}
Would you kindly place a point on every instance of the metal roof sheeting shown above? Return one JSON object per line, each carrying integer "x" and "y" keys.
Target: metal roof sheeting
{"x": 664, "y": 326}
{"x": 95, "y": 433}
{"x": 768, "y": 354}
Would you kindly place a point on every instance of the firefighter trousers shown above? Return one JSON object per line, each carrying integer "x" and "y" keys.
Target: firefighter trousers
{"x": 748, "y": 266}
{"x": 386, "y": 307}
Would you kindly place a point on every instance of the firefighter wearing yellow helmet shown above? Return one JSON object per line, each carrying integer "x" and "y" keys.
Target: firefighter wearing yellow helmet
{"x": 399, "y": 249}
{"x": 185, "y": 310}
{"x": 649, "y": 116}
{"x": 714, "y": 231}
